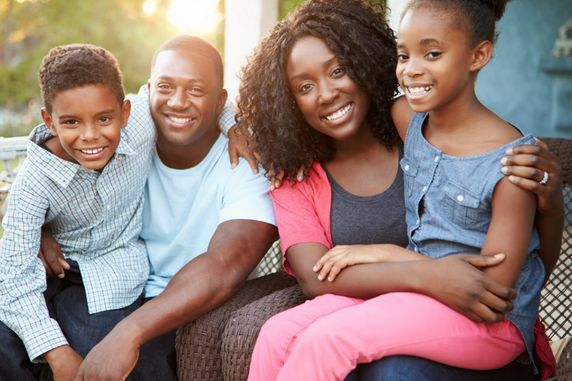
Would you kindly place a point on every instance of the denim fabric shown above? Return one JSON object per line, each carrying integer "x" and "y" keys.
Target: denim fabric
{"x": 448, "y": 210}
{"x": 407, "y": 368}
{"x": 68, "y": 306}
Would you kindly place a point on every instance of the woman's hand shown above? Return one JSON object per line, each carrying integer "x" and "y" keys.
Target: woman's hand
{"x": 457, "y": 281}
{"x": 526, "y": 167}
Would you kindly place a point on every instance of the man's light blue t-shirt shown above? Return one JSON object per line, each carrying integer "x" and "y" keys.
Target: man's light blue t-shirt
{"x": 183, "y": 208}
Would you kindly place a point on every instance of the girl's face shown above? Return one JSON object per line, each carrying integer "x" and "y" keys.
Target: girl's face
{"x": 434, "y": 59}
{"x": 329, "y": 99}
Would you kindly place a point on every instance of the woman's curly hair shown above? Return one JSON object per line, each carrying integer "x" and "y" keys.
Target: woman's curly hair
{"x": 356, "y": 31}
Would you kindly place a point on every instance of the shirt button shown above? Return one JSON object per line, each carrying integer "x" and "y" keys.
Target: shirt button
{"x": 416, "y": 249}
{"x": 417, "y": 222}
{"x": 406, "y": 167}
{"x": 436, "y": 159}
{"x": 424, "y": 189}
{"x": 460, "y": 198}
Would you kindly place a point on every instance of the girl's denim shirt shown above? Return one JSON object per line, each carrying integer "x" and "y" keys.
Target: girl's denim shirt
{"x": 448, "y": 211}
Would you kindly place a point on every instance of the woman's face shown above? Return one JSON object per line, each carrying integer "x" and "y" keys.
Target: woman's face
{"x": 331, "y": 102}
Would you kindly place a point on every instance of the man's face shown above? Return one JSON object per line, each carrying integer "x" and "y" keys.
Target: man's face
{"x": 186, "y": 96}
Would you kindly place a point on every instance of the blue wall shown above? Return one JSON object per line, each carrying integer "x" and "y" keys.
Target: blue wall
{"x": 524, "y": 83}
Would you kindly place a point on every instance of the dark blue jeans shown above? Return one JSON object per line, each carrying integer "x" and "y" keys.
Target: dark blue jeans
{"x": 409, "y": 368}
{"x": 68, "y": 306}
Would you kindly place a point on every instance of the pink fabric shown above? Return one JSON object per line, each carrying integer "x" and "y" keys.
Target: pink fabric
{"x": 302, "y": 211}
{"x": 325, "y": 338}
{"x": 544, "y": 352}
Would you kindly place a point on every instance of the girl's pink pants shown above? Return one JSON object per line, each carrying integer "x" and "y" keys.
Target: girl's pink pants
{"x": 326, "y": 337}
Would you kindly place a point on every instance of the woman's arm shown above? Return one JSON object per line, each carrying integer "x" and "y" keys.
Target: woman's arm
{"x": 454, "y": 280}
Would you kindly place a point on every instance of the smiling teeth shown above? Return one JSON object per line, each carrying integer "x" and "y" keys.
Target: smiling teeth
{"x": 93, "y": 151}
{"x": 418, "y": 90}
{"x": 338, "y": 114}
{"x": 179, "y": 120}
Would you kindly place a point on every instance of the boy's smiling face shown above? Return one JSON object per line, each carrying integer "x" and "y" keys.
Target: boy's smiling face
{"x": 86, "y": 122}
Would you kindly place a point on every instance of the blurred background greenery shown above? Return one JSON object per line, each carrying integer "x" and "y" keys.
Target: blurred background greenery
{"x": 130, "y": 29}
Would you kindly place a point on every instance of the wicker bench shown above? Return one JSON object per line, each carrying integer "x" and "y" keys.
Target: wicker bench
{"x": 218, "y": 345}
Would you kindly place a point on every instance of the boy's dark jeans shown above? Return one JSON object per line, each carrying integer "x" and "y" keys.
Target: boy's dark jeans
{"x": 68, "y": 305}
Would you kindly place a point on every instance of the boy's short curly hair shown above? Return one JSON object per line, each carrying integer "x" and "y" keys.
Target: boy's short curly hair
{"x": 69, "y": 66}
{"x": 357, "y": 33}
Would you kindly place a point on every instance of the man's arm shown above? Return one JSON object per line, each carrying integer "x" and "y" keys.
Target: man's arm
{"x": 204, "y": 283}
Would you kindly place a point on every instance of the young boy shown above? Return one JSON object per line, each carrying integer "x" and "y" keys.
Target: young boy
{"x": 83, "y": 182}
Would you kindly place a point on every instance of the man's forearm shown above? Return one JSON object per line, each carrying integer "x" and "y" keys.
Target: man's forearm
{"x": 203, "y": 284}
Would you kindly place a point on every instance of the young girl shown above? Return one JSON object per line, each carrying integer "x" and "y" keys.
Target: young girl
{"x": 318, "y": 90}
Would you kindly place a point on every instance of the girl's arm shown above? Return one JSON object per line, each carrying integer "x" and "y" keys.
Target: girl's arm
{"x": 455, "y": 280}
{"x": 525, "y": 166}
{"x": 512, "y": 220}
{"x": 401, "y": 114}
{"x": 342, "y": 256}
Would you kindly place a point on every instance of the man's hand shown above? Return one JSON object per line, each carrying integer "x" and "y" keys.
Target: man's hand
{"x": 64, "y": 363}
{"x": 111, "y": 360}
{"x": 51, "y": 256}
{"x": 238, "y": 146}
{"x": 458, "y": 283}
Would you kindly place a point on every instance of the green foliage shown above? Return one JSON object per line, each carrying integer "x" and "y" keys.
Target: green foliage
{"x": 29, "y": 28}
{"x": 37, "y": 25}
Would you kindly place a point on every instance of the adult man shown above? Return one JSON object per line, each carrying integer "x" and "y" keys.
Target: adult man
{"x": 198, "y": 209}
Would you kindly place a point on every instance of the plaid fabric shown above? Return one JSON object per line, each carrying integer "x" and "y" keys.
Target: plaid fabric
{"x": 96, "y": 219}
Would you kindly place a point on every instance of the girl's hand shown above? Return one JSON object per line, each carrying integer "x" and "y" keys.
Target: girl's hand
{"x": 525, "y": 167}
{"x": 342, "y": 256}
{"x": 238, "y": 146}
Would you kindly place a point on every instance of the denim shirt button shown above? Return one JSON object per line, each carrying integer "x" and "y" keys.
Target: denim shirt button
{"x": 436, "y": 159}
{"x": 460, "y": 198}
{"x": 406, "y": 167}
{"x": 424, "y": 189}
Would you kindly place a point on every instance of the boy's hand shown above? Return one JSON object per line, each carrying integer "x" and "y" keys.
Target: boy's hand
{"x": 238, "y": 147}
{"x": 456, "y": 280}
{"x": 51, "y": 256}
{"x": 113, "y": 359}
{"x": 526, "y": 165}
{"x": 64, "y": 363}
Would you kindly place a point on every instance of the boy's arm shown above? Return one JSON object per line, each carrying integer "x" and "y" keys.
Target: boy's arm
{"x": 23, "y": 308}
{"x": 204, "y": 283}
{"x": 510, "y": 230}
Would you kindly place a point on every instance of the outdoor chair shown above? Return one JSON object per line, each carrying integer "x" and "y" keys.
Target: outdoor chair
{"x": 218, "y": 345}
